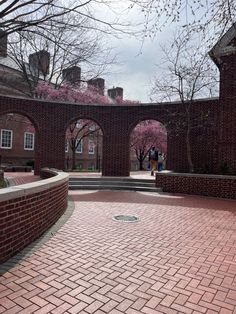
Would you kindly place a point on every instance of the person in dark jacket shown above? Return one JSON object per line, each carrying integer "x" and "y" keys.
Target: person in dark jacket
{"x": 153, "y": 159}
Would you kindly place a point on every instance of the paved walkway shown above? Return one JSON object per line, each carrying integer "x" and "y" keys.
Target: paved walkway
{"x": 179, "y": 258}
{"x": 18, "y": 178}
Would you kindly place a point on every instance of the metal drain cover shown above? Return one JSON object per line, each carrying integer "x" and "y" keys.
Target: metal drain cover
{"x": 125, "y": 218}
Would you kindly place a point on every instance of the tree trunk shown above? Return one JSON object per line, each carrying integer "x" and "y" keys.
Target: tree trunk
{"x": 189, "y": 152}
{"x": 141, "y": 164}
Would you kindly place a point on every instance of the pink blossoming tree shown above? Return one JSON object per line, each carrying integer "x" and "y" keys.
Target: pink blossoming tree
{"x": 145, "y": 135}
{"x": 79, "y": 129}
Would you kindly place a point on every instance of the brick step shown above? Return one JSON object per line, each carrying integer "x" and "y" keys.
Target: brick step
{"x": 113, "y": 179}
{"x": 110, "y": 184}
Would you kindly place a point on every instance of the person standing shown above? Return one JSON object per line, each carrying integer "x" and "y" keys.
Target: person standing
{"x": 153, "y": 159}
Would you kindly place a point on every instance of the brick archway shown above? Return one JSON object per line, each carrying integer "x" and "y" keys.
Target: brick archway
{"x": 212, "y": 144}
{"x": 83, "y": 129}
{"x": 116, "y": 122}
{"x": 139, "y": 147}
{"x": 24, "y": 124}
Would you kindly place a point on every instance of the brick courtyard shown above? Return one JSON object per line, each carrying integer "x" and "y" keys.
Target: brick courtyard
{"x": 179, "y": 258}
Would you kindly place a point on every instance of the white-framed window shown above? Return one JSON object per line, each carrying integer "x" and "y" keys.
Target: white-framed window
{"x": 6, "y": 139}
{"x": 28, "y": 141}
{"x": 79, "y": 148}
{"x": 91, "y": 147}
{"x": 66, "y": 146}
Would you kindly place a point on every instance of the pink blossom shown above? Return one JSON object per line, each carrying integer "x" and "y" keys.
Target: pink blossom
{"x": 68, "y": 93}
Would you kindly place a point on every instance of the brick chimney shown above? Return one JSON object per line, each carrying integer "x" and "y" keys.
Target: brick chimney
{"x": 115, "y": 92}
{"x": 39, "y": 62}
{"x": 3, "y": 44}
{"x": 72, "y": 75}
{"x": 99, "y": 83}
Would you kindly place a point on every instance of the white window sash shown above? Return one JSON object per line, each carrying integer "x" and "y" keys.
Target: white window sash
{"x": 91, "y": 150}
{"x": 66, "y": 146}
{"x": 11, "y": 136}
{"x": 79, "y": 149}
{"x": 25, "y": 141}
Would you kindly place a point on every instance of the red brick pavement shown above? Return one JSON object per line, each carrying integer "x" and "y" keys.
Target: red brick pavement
{"x": 18, "y": 178}
{"x": 179, "y": 258}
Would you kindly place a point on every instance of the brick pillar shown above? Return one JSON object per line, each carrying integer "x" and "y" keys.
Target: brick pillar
{"x": 37, "y": 154}
{"x": 116, "y": 151}
{"x": 227, "y": 124}
{"x": 50, "y": 147}
{"x": 1, "y": 175}
{"x": 3, "y": 44}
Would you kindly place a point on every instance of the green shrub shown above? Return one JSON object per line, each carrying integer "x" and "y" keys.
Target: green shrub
{"x": 3, "y": 184}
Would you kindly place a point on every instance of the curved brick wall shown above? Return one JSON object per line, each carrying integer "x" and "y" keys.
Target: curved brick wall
{"x": 27, "y": 211}
{"x": 197, "y": 184}
{"x": 117, "y": 122}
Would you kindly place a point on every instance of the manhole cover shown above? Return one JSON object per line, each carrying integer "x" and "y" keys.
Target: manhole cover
{"x": 125, "y": 218}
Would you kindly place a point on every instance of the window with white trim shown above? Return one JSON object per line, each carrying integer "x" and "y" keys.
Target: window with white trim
{"x": 91, "y": 146}
{"x": 6, "y": 139}
{"x": 28, "y": 141}
{"x": 79, "y": 148}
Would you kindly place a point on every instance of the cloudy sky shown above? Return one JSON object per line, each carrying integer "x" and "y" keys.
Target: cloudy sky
{"x": 137, "y": 69}
{"x": 138, "y": 65}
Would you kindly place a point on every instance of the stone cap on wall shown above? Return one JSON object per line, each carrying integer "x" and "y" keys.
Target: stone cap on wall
{"x": 34, "y": 187}
{"x": 197, "y": 175}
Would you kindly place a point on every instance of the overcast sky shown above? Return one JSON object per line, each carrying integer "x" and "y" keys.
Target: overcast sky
{"x": 136, "y": 62}
{"x": 137, "y": 68}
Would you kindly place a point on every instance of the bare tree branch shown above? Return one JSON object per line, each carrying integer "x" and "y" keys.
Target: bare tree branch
{"x": 189, "y": 74}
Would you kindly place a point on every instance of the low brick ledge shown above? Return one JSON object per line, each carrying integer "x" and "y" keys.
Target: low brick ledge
{"x": 28, "y": 210}
{"x": 197, "y": 184}
{"x": 54, "y": 178}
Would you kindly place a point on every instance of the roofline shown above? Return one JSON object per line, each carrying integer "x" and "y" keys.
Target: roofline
{"x": 216, "y": 51}
{"x": 105, "y": 105}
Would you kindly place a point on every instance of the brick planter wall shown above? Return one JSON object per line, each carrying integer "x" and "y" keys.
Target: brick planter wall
{"x": 198, "y": 184}
{"x": 27, "y": 211}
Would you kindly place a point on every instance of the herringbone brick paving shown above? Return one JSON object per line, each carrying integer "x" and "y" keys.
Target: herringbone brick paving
{"x": 179, "y": 258}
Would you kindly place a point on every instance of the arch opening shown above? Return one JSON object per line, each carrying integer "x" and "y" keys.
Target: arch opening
{"x": 83, "y": 145}
{"x": 145, "y": 135}
{"x": 18, "y": 140}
